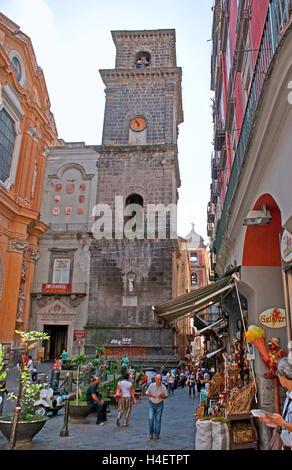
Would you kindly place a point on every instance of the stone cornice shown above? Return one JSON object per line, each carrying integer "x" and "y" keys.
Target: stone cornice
{"x": 142, "y": 34}
{"x": 124, "y": 75}
{"x": 101, "y": 149}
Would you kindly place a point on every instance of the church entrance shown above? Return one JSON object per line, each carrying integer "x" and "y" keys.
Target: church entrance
{"x": 57, "y": 342}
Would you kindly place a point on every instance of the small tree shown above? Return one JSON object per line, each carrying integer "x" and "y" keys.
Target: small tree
{"x": 2, "y": 367}
{"x": 79, "y": 360}
{"x": 26, "y": 390}
{"x": 29, "y": 339}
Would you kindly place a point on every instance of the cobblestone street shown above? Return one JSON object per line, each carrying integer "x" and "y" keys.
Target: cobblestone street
{"x": 177, "y": 428}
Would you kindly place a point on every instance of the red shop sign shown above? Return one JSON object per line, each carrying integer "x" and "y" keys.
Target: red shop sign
{"x": 79, "y": 334}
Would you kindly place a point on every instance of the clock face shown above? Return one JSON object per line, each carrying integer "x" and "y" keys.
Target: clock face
{"x": 138, "y": 124}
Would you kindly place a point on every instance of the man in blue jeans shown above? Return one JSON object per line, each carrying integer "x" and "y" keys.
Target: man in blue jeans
{"x": 93, "y": 397}
{"x": 156, "y": 393}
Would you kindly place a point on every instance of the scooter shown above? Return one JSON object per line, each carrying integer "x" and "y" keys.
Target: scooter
{"x": 48, "y": 402}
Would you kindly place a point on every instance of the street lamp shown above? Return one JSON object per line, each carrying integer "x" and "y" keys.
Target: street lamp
{"x": 258, "y": 217}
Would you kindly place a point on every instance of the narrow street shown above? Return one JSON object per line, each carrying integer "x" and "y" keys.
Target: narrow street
{"x": 177, "y": 429}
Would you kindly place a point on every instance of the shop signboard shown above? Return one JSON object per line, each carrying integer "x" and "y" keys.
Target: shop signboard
{"x": 56, "y": 288}
{"x": 286, "y": 246}
{"x": 78, "y": 334}
{"x": 273, "y": 318}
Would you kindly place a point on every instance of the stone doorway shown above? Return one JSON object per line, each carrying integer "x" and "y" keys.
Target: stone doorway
{"x": 58, "y": 340}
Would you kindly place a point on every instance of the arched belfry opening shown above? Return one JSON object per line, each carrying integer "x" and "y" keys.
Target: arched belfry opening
{"x": 143, "y": 60}
{"x": 134, "y": 199}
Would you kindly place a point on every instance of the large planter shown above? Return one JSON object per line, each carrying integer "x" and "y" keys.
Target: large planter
{"x": 25, "y": 431}
{"x": 79, "y": 413}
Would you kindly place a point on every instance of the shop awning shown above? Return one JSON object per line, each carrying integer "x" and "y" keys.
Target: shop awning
{"x": 181, "y": 306}
{"x": 213, "y": 353}
{"x": 210, "y": 326}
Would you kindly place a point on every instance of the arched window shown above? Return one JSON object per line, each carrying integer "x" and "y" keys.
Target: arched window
{"x": 134, "y": 217}
{"x": 134, "y": 199}
{"x": 143, "y": 60}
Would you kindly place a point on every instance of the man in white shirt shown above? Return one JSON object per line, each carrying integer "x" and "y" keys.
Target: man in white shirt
{"x": 157, "y": 393}
{"x": 170, "y": 379}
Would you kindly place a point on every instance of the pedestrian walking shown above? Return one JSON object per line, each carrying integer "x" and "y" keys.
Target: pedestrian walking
{"x": 191, "y": 382}
{"x": 157, "y": 393}
{"x": 199, "y": 380}
{"x": 64, "y": 356}
{"x": 93, "y": 397}
{"x": 170, "y": 381}
{"x": 282, "y": 422}
{"x": 143, "y": 382}
{"x": 125, "y": 400}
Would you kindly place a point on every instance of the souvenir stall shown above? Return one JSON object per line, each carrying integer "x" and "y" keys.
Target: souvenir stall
{"x": 230, "y": 398}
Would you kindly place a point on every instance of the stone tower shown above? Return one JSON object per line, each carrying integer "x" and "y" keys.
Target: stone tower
{"x": 137, "y": 164}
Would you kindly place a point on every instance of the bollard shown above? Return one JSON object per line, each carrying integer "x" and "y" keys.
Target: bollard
{"x": 64, "y": 431}
{"x": 12, "y": 440}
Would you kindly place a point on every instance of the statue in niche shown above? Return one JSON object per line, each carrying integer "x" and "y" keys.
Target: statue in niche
{"x": 131, "y": 281}
{"x": 21, "y": 299}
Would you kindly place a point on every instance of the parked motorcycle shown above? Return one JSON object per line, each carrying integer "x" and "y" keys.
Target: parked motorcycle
{"x": 48, "y": 402}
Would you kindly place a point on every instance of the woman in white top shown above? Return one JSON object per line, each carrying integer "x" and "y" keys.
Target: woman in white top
{"x": 125, "y": 401}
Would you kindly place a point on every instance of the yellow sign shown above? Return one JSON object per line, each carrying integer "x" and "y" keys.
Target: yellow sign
{"x": 273, "y": 318}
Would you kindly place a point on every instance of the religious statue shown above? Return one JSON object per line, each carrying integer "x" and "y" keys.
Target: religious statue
{"x": 131, "y": 279}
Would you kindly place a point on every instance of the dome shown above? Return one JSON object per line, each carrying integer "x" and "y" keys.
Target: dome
{"x": 194, "y": 240}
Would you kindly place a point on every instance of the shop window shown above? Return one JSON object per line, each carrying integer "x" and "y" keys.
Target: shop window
{"x": 7, "y": 141}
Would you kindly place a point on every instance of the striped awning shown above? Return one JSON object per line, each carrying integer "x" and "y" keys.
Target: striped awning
{"x": 191, "y": 302}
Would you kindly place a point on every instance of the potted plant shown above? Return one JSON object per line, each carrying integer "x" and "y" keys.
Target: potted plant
{"x": 24, "y": 425}
{"x": 79, "y": 409}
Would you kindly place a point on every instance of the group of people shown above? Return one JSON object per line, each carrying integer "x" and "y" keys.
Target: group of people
{"x": 156, "y": 392}
{"x": 189, "y": 377}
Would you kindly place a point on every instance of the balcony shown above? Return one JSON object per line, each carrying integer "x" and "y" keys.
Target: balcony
{"x": 76, "y": 288}
{"x": 219, "y": 136}
{"x": 277, "y": 19}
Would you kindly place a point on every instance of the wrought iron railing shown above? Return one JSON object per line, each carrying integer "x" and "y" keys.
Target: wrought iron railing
{"x": 277, "y": 19}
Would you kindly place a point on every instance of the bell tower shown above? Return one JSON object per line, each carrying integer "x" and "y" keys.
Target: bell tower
{"x": 137, "y": 168}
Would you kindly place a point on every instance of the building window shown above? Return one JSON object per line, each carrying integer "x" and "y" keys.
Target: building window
{"x": 134, "y": 199}
{"x": 7, "y": 141}
{"x": 194, "y": 279}
{"x": 194, "y": 257}
{"x": 143, "y": 60}
{"x": 1, "y": 280}
{"x": 17, "y": 67}
{"x": 61, "y": 272}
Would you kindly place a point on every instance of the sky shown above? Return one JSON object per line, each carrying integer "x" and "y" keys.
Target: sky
{"x": 72, "y": 42}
